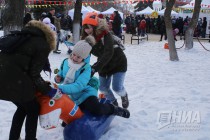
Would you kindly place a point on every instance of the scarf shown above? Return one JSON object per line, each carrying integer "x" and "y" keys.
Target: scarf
{"x": 98, "y": 38}
{"x": 70, "y": 76}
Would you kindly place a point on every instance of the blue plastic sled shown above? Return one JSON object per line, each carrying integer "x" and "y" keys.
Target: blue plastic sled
{"x": 88, "y": 127}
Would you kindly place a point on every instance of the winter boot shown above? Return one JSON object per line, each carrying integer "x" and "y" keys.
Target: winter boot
{"x": 29, "y": 139}
{"x": 56, "y": 51}
{"x": 121, "y": 112}
{"x": 115, "y": 102}
{"x": 125, "y": 102}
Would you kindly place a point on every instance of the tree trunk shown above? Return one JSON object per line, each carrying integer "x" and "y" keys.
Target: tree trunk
{"x": 12, "y": 16}
{"x": 189, "y": 38}
{"x": 76, "y": 21}
{"x": 190, "y": 31}
{"x": 171, "y": 43}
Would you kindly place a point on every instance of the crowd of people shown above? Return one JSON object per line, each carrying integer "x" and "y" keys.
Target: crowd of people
{"x": 60, "y": 23}
{"x": 141, "y": 24}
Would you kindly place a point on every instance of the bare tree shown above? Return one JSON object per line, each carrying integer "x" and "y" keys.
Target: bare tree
{"x": 77, "y": 21}
{"x": 171, "y": 42}
{"x": 190, "y": 30}
{"x": 12, "y": 15}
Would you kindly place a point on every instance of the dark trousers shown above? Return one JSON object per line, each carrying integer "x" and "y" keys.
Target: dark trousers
{"x": 118, "y": 32}
{"x": 30, "y": 111}
{"x": 92, "y": 105}
{"x": 58, "y": 40}
{"x": 161, "y": 36}
{"x": 203, "y": 33}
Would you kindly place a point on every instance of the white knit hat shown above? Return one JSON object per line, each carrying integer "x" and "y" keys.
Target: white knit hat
{"x": 83, "y": 47}
{"x": 46, "y": 20}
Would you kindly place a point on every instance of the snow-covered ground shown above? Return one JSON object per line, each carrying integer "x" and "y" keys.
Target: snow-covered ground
{"x": 168, "y": 100}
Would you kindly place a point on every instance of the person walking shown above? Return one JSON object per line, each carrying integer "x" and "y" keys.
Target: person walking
{"x": 116, "y": 24}
{"x": 55, "y": 20}
{"x": 48, "y": 22}
{"x": 111, "y": 60}
{"x": 204, "y": 25}
{"x": 142, "y": 27}
{"x": 21, "y": 79}
{"x": 163, "y": 29}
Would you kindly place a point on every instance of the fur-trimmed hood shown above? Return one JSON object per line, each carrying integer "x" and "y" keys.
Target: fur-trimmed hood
{"x": 102, "y": 26}
{"x": 49, "y": 34}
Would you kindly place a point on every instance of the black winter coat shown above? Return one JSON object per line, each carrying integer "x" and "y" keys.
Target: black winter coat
{"x": 110, "y": 60}
{"x": 117, "y": 22}
{"x": 20, "y": 75}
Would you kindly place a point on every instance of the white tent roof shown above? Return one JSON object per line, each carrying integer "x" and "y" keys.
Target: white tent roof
{"x": 92, "y": 10}
{"x": 205, "y": 4}
{"x": 187, "y": 6}
{"x": 161, "y": 12}
{"x": 110, "y": 11}
{"x": 84, "y": 11}
{"x": 146, "y": 11}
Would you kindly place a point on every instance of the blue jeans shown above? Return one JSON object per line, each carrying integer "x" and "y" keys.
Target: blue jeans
{"x": 117, "y": 85}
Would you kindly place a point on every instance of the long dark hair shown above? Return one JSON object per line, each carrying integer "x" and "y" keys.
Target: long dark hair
{"x": 84, "y": 34}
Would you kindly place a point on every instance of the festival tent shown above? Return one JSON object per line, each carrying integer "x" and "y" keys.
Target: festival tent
{"x": 205, "y": 4}
{"x": 187, "y": 6}
{"x": 110, "y": 11}
{"x": 161, "y": 12}
{"x": 92, "y": 10}
{"x": 84, "y": 11}
{"x": 146, "y": 11}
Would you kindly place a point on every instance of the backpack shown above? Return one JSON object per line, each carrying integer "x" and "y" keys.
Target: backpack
{"x": 116, "y": 39}
{"x": 93, "y": 82}
{"x": 9, "y": 43}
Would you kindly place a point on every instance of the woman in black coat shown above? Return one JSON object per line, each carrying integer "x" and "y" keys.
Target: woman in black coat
{"x": 204, "y": 25}
{"x": 162, "y": 29}
{"x": 21, "y": 79}
{"x": 111, "y": 62}
{"x": 116, "y": 24}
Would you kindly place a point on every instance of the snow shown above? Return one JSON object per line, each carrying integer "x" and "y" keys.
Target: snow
{"x": 155, "y": 85}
